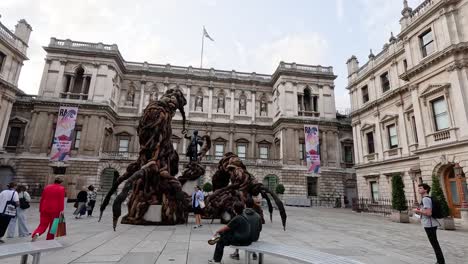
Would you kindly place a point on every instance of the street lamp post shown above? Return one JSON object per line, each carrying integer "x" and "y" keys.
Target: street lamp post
{"x": 412, "y": 174}
{"x": 458, "y": 170}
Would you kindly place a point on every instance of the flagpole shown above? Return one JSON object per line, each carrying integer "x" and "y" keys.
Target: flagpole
{"x": 202, "y": 44}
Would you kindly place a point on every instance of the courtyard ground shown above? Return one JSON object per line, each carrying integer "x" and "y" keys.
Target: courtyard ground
{"x": 369, "y": 239}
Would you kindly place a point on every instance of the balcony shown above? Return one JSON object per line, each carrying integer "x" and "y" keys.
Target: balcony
{"x": 371, "y": 157}
{"x": 309, "y": 113}
{"x": 75, "y": 96}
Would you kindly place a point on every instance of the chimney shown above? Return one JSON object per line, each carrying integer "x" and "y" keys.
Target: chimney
{"x": 353, "y": 65}
{"x": 23, "y": 30}
{"x": 406, "y": 13}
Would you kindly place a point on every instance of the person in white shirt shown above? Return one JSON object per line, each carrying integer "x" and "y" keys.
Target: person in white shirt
{"x": 23, "y": 230}
{"x": 7, "y": 198}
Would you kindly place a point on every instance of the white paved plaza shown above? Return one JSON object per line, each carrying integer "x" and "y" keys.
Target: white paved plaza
{"x": 370, "y": 239}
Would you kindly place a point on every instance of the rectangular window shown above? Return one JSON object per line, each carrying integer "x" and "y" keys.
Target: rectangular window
{"x": 14, "y": 136}
{"x": 415, "y": 131}
{"x": 312, "y": 186}
{"x": 263, "y": 152}
{"x": 301, "y": 151}
{"x": 123, "y": 145}
{"x": 77, "y": 140}
{"x": 315, "y": 103}
{"x": 440, "y": 112}
{"x": 405, "y": 65}
{"x": 374, "y": 191}
{"x": 385, "y": 81}
{"x": 242, "y": 151}
{"x": 2, "y": 60}
{"x": 365, "y": 94}
{"x": 370, "y": 143}
{"x": 427, "y": 43}
{"x": 392, "y": 136}
{"x": 348, "y": 154}
{"x": 219, "y": 151}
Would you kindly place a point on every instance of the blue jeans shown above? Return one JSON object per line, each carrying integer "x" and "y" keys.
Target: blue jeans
{"x": 23, "y": 229}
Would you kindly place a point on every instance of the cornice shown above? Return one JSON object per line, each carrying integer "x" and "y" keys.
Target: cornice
{"x": 389, "y": 96}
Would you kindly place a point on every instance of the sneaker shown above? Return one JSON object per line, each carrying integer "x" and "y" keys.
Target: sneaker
{"x": 213, "y": 262}
{"x": 214, "y": 240}
{"x": 200, "y": 225}
{"x": 234, "y": 256}
{"x": 35, "y": 237}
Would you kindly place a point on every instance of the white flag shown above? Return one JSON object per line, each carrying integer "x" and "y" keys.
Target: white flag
{"x": 206, "y": 34}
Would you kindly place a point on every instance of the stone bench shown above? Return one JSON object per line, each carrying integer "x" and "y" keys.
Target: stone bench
{"x": 301, "y": 255}
{"x": 30, "y": 248}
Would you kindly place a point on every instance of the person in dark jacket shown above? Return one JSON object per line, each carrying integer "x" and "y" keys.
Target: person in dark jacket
{"x": 80, "y": 203}
{"x": 255, "y": 222}
{"x": 236, "y": 232}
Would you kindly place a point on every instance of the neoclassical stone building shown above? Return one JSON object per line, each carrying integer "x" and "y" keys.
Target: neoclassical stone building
{"x": 259, "y": 117}
{"x": 410, "y": 104}
{"x": 13, "y": 47}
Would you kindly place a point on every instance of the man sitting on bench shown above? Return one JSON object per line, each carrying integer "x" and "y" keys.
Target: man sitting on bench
{"x": 255, "y": 222}
{"x": 236, "y": 232}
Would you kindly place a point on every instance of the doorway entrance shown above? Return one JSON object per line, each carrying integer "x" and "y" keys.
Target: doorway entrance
{"x": 108, "y": 177}
{"x": 454, "y": 186}
{"x": 6, "y": 176}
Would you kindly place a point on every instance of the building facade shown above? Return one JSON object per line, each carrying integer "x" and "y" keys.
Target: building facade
{"x": 259, "y": 117}
{"x": 13, "y": 47}
{"x": 410, "y": 105}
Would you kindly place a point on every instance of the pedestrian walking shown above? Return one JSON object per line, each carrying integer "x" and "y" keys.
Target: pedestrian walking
{"x": 50, "y": 207}
{"x": 92, "y": 196}
{"x": 9, "y": 200}
{"x": 198, "y": 202}
{"x": 429, "y": 223}
{"x": 80, "y": 203}
{"x": 24, "y": 200}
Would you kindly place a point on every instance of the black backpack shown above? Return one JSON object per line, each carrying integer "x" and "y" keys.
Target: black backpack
{"x": 436, "y": 209}
{"x": 23, "y": 204}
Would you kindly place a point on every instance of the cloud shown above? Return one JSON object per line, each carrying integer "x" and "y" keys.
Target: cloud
{"x": 339, "y": 10}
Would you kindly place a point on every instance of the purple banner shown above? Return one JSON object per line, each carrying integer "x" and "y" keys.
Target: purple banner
{"x": 62, "y": 138}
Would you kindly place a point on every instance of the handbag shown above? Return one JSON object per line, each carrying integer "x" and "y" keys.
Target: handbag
{"x": 10, "y": 207}
{"x": 23, "y": 203}
{"x": 75, "y": 205}
{"x": 62, "y": 227}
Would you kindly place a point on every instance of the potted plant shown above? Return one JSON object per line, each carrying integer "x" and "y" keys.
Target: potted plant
{"x": 207, "y": 187}
{"x": 447, "y": 222}
{"x": 280, "y": 190}
{"x": 399, "y": 200}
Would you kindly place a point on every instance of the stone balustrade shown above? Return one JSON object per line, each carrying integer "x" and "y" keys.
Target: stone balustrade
{"x": 67, "y": 43}
{"x": 11, "y": 38}
{"x": 422, "y": 8}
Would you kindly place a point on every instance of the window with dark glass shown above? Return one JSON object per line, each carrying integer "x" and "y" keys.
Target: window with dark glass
{"x": 440, "y": 112}
{"x": 370, "y": 142}
{"x": 77, "y": 139}
{"x": 427, "y": 43}
{"x": 301, "y": 151}
{"x": 385, "y": 81}
{"x": 415, "y": 131}
{"x": 123, "y": 145}
{"x": 392, "y": 136}
{"x": 365, "y": 94}
{"x": 348, "y": 154}
{"x": 312, "y": 186}
{"x": 405, "y": 65}
{"x": 315, "y": 103}
{"x": 263, "y": 152}
{"x": 2, "y": 60}
{"x": 14, "y": 137}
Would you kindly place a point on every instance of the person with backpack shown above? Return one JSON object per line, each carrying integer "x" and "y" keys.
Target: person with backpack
{"x": 24, "y": 200}
{"x": 9, "y": 200}
{"x": 429, "y": 210}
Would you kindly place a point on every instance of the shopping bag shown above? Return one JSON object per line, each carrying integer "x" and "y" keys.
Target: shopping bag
{"x": 53, "y": 228}
{"x": 62, "y": 227}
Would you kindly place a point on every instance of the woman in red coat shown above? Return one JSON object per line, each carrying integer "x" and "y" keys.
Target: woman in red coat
{"x": 50, "y": 207}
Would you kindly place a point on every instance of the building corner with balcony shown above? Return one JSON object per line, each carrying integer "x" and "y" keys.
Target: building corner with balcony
{"x": 409, "y": 106}
{"x": 259, "y": 117}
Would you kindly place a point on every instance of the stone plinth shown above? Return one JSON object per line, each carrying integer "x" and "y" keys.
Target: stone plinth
{"x": 153, "y": 214}
{"x": 464, "y": 217}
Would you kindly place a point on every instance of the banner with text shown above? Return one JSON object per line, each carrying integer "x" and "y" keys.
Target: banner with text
{"x": 63, "y": 132}
{"x": 312, "y": 148}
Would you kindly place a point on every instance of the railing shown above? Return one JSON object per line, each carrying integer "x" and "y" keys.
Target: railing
{"x": 67, "y": 43}
{"x": 422, "y": 8}
{"x": 305, "y": 68}
{"x": 309, "y": 113}
{"x": 76, "y": 96}
{"x": 117, "y": 155}
{"x": 442, "y": 135}
{"x": 380, "y": 206}
{"x": 10, "y": 37}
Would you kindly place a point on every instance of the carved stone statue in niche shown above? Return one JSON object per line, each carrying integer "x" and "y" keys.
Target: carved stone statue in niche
{"x": 221, "y": 103}
{"x": 154, "y": 95}
{"x": 242, "y": 104}
{"x": 199, "y": 102}
{"x": 263, "y": 107}
{"x": 129, "y": 100}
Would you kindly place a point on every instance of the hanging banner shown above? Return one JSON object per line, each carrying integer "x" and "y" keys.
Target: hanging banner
{"x": 312, "y": 145}
{"x": 62, "y": 138}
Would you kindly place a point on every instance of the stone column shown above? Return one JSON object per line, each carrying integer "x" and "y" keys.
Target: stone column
{"x": 142, "y": 97}
{"x": 83, "y": 85}
{"x": 356, "y": 134}
{"x": 231, "y": 141}
{"x": 72, "y": 84}
{"x": 187, "y": 107}
{"x": 48, "y": 132}
{"x": 84, "y": 135}
{"x": 324, "y": 149}
{"x": 6, "y": 120}
{"x": 336, "y": 138}
{"x": 31, "y": 127}
{"x": 92, "y": 84}
{"x": 253, "y": 139}
{"x": 232, "y": 105}
{"x": 59, "y": 84}
{"x": 210, "y": 102}
{"x": 254, "y": 102}
{"x": 321, "y": 107}
{"x": 45, "y": 72}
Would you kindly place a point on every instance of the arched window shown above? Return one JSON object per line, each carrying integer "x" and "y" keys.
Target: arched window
{"x": 271, "y": 181}
{"x": 307, "y": 100}
{"x": 77, "y": 85}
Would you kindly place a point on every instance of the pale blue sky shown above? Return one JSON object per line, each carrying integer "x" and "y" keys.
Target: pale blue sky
{"x": 249, "y": 35}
